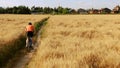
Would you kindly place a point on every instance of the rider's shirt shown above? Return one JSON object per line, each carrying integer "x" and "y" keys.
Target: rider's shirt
{"x": 30, "y": 28}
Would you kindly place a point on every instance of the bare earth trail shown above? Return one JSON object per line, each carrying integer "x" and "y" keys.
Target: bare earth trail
{"x": 24, "y": 60}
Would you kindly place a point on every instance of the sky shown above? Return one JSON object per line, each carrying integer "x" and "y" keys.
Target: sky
{"x": 76, "y": 4}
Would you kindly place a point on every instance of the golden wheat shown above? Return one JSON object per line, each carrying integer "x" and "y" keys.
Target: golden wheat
{"x": 79, "y": 41}
{"x": 11, "y": 26}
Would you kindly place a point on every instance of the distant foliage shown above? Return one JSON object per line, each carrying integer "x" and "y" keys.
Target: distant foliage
{"x": 2, "y": 10}
{"x": 35, "y": 10}
{"x": 56, "y": 10}
{"x": 15, "y": 10}
{"x": 48, "y": 10}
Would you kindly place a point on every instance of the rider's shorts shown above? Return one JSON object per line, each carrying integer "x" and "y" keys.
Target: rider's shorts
{"x": 29, "y": 34}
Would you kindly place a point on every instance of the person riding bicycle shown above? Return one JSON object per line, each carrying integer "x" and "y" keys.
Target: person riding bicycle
{"x": 29, "y": 32}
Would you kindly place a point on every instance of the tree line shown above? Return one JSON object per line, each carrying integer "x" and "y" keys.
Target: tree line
{"x": 15, "y": 10}
{"x": 39, "y": 10}
{"x": 45, "y": 10}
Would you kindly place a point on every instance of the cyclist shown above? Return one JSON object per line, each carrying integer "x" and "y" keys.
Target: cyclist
{"x": 29, "y": 31}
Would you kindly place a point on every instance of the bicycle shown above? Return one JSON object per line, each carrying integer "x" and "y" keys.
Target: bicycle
{"x": 29, "y": 46}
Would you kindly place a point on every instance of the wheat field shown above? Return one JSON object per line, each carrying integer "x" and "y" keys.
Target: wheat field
{"x": 13, "y": 35}
{"x": 79, "y": 41}
{"x": 11, "y": 26}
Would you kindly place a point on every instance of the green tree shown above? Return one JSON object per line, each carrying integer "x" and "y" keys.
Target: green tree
{"x": 60, "y": 10}
{"x": 9, "y": 10}
{"x": 65, "y": 11}
{"x": 36, "y": 9}
{"x": 47, "y": 10}
{"x": 23, "y": 10}
{"x": 14, "y": 11}
{"x": 2, "y": 10}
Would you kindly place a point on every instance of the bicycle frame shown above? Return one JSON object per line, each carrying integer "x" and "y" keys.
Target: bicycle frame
{"x": 29, "y": 43}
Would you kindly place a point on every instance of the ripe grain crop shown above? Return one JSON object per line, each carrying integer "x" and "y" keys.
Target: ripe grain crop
{"x": 11, "y": 26}
{"x": 12, "y": 34}
{"x": 79, "y": 41}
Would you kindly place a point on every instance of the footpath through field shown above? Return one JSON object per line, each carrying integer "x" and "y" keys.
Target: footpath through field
{"x": 24, "y": 60}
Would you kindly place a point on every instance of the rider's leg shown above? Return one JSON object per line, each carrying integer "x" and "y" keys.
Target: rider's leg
{"x": 27, "y": 36}
{"x": 31, "y": 42}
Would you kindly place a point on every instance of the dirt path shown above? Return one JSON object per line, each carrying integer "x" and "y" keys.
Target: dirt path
{"x": 24, "y": 60}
